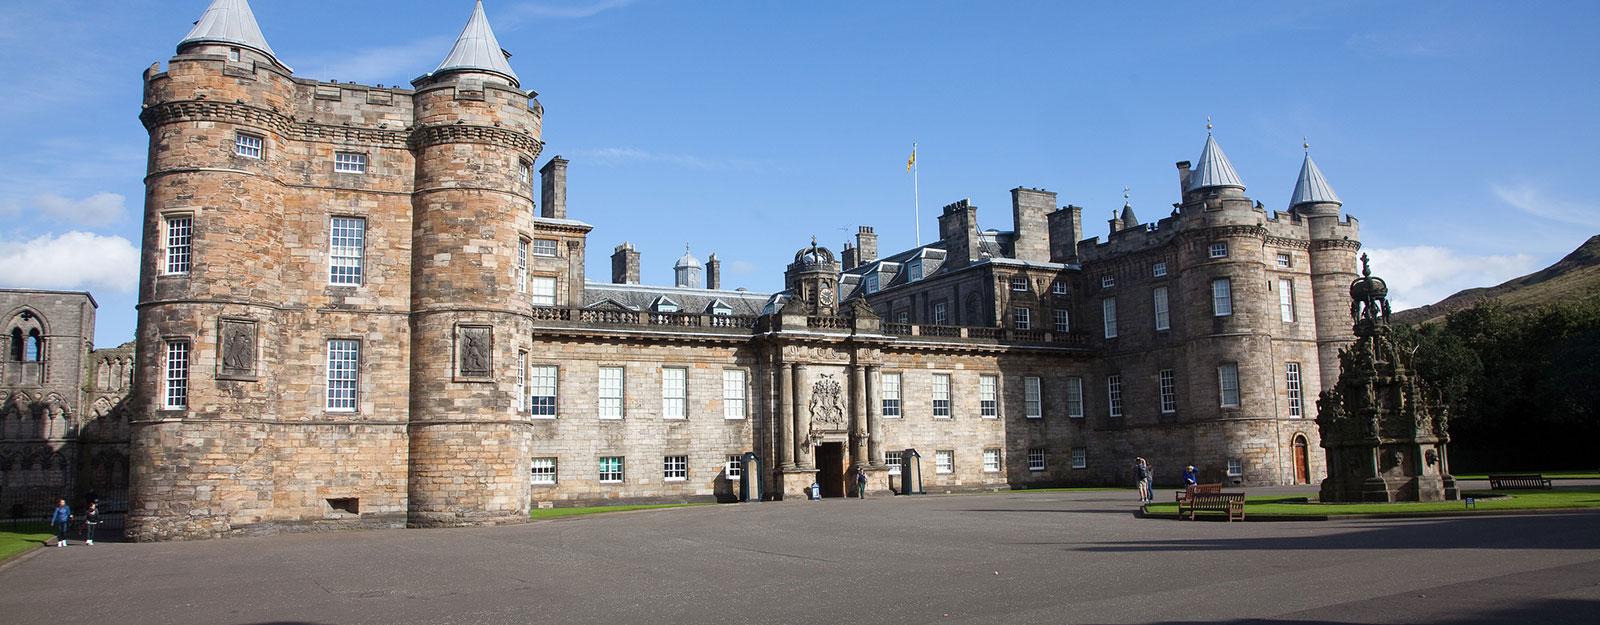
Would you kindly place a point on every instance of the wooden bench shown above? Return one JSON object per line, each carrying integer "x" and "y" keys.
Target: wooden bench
{"x": 1201, "y": 489}
{"x": 1210, "y": 498}
{"x": 1518, "y": 481}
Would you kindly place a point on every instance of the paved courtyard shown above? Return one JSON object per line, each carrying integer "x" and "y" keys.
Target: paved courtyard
{"x": 1076, "y": 557}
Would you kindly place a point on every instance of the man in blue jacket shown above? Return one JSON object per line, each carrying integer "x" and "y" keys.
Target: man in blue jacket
{"x": 62, "y": 519}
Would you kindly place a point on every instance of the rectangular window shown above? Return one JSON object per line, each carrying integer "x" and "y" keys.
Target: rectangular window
{"x": 1169, "y": 391}
{"x": 1296, "y": 403}
{"x": 524, "y": 171}
{"x": 180, "y": 238}
{"x": 247, "y": 145}
{"x": 1019, "y": 283}
{"x": 233, "y": 54}
{"x": 1075, "y": 398}
{"x": 1022, "y": 318}
{"x": 522, "y": 381}
{"x": 1222, "y": 297}
{"x": 544, "y": 291}
{"x": 1059, "y": 287}
{"x": 1286, "y": 300}
{"x": 1114, "y": 395}
{"x": 1163, "y": 318}
{"x": 1108, "y": 311}
{"x": 941, "y": 314}
{"x": 941, "y": 396}
{"x": 1032, "y": 405}
{"x": 735, "y": 466}
{"x": 914, "y": 270}
{"x": 891, "y": 395}
{"x": 675, "y": 468}
{"x": 542, "y": 392}
{"x": 1284, "y": 260}
{"x": 674, "y": 393}
{"x": 346, "y": 245}
{"x": 1080, "y": 457}
{"x": 1063, "y": 321}
{"x": 544, "y": 471}
{"x": 733, "y": 394}
{"x": 349, "y": 163}
{"x": 988, "y": 397}
{"x": 892, "y": 459}
{"x": 1107, "y": 282}
{"x": 1036, "y": 459}
{"x": 903, "y": 316}
{"x": 1235, "y": 467}
{"x": 522, "y": 265}
{"x": 177, "y": 376}
{"x": 344, "y": 358}
{"x": 1218, "y": 250}
{"x": 611, "y": 385}
{"x": 1158, "y": 270}
{"x": 944, "y": 461}
{"x": 870, "y": 282}
{"x": 611, "y": 469}
{"x": 544, "y": 247}
{"x": 991, "y": 461}
{"x": 1228, "y": 384}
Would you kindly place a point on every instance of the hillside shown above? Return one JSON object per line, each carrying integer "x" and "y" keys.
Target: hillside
{"x": 1573, "y": 277}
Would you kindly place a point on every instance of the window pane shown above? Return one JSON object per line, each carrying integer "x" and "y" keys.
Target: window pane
{"x": 1035, "y": 459}
{"x": 1296, "y": 407}
{"x": 542, "y": 391}
{"x": 349, "y": 163}
{"x": 1169, "y": 391}
{"x": 343, "y": 358}
{"x": 675, "y": 468}
{"x": 1033, "y": 407}
{"x": 892, "y": 458}
{"x": 611, "y": 392}
{"x": 180, "y": 236}
{"x": 346, "y": 242}
{"x": 991, "y": 460}
{"x": 544, "y": 291}
{"x": 988, "y": 402}
{"x": 1108, "y": 310}
{"x": 1114, "y": 395}
{"x": 1063, "y": 321}
{"x": 1228, "y": 381}
{"x": 1075, "y": 397}
{"x": 891, "y": 394}
{"x": 941, "y": 395}
{"x": 944, "y": 461}
{"x": 544, "y": 247}
{"x": 544, "y": 470}
{"x": 1221, "y": 297}
{"x": 674, "y": 393}
{"x": 248, "y": 146}
{"x": 1080, "y": 458}
{"x": 177, "y": 375}
{"x": 735, "y": 466}
{"x": 522, "y": 265}
{"x": 1286, "y": 300}
{"x": 611, "y": 469}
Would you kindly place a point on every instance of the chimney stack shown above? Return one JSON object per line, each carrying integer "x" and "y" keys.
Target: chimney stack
{"x": 624, "y": 263}
{"x": 866, "y": 245}
{"x": 1030, "y": 211}
{"x": 1066, "y": 229}
{"x": 848, "y": 258}
{"x": 713, "y": 272}
{"x": 553, "y": 189}
{"x": 1183, "y": 177}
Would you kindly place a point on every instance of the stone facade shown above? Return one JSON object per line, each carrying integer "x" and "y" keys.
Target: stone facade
{"x": 413, "y": 341}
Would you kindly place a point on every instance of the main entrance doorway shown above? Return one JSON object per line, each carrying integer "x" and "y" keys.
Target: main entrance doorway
{"x": 830, "y": 469}
{"x": 1302, "y": 469}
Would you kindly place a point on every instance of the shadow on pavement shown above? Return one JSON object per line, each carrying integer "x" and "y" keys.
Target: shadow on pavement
{"x": 1555, "y": 531}
{"x": 1538, "y": 612}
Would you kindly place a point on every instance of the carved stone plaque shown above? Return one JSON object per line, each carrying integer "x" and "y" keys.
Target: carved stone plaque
{"x": 236, "y": 349}
{"x": 827, "y": 405}
{"x": 475, "y": 351}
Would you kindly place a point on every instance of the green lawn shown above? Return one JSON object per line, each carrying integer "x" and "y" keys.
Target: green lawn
{"x": 15, "y": 539}
{"x": 543, "y": 514}
{"x": 1553, "y": 475}
{"x": 1513, "y": 500}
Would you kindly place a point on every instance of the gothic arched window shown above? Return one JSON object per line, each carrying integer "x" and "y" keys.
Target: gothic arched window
{"x": 16, "y": 344}
{"x": 33, "y": 349}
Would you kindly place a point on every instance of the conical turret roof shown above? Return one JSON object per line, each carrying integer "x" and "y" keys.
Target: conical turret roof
{"x": 477, "y": 50}
{"x": 229, "y": 22}
{"x": 1213, "y": 169}
{"x": 1312, "y": 188}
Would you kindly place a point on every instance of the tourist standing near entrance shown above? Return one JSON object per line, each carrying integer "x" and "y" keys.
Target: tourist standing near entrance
{"x": 61, "y": 520}
{"x": 91, "y": 518}
{"x": 861, "y": 482}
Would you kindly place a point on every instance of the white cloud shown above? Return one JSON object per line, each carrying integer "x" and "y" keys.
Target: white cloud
{"x": 75, "y": 260}
{"x": 1424, "y": 274}
{"x": 615, "y": 157}
{"x": 96, "y": 210}
{"x": 542, "y": 10}
{"x": 1533, "y": 200}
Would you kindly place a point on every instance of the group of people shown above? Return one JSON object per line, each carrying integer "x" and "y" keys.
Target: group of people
{"x": 61, "y": 521}
{"x": 1147, "y": 479}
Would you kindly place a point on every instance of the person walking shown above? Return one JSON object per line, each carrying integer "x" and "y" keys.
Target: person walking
{"x": 61, "y": 520}
{"x": 861, "y": 482}
{"x": 91, "y": 518}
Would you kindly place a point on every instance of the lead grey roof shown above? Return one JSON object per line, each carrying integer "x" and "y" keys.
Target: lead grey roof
{"x": 478, "y": 50}
{"x": 687, "y": 260}
{"x": 1312, "y": 187}
{"x": 643, "y": 297}
{"x": 1213, "y": 169}
{"x": 229, "y": 21}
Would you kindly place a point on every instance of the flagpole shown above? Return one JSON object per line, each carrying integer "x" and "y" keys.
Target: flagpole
{"x": 916, "y": 192}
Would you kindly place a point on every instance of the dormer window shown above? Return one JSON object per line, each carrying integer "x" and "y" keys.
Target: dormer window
{"x": 665, "y": 305}
{"x": 1219, "y": 250}
{"x": 914, "y": 270}
{"x": 1107, "y": 282}
{"x": 870, "y": 283}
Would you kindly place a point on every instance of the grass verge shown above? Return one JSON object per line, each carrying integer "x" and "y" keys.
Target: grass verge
{"x": 15, "y": 539}
{"x": 1551, "y": 475}
{"x": 1503, "y": 501}
{"x": 543, "y": 514}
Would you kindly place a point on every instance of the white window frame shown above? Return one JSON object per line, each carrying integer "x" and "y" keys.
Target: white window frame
{"x": 1158, "y": 270}
{"x": 1022, "y": 318}
{"x": 1218, "y": 249}
{"x": 543, "y": 471}
{"x": 674, "y": 468}
{"x": 735, "y": 394}
{"x": 612, "y": 392}
{"x": 1032, "y": 398}
{"x": 249, "y": 145}
{"x": 1080, "y": 457}
{"x": 941, "y": 314}
{"x": 1063, "y": 319}
{"x": 1114, "y": 395}
{"x": 1285, "y": 260}
{"x": 543, "y": 289}
{"x": 1295, "y": 390}
{"x": 989, "y": 396}
{"x": 1235, "y": 467}
{"x": 1037, "y": 459}
{"x": 343, "y": 376}
{"x": 1228, "y": 385}
{"x": 892, "y": 407}
{"x": 618, "y": 469}
{"x": 1075, "y": 397}
{"x": 1163, "y": 313}
{"x": 944, "y": 461}
{"x": 1286, "y": 300}
{"x": 1107, "y": 282}
{"x": 522, "y": 381}
{"x": 914, "y": 270}
{"x": 539, "y": 247}
{"x": 179, "y": 246}
{"x": 347, "y": 250}
{"x": 1019, "y": 283}
{"x": 992, "y": 462}
{"x": 941, "y": 396}
{"x": 674, "y": 393}
{"x": 544, "y": 391}
{"x": 524, "y": 170}
{"x": 1059, "y": 287}
{"x": 1167, "y": 389}
{"x": 894, "y": 460}
{"x": 522, "y": 264}
{"x": 175, "y": 375}
{"x": 734, "y": 467}
{"x": 234, "y": 54}
{"x": 869, "y": 282}
{"x": 1222, "y": 297}
{"x": 349, "y": 163}
{"x": 1108, "y": 314}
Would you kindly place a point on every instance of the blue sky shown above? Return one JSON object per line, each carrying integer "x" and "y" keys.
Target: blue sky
{"x": 1462, "y": 135}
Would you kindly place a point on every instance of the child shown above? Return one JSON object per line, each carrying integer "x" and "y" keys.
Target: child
{"x": 91, "y": 518}
{"x": 62, "y": 519}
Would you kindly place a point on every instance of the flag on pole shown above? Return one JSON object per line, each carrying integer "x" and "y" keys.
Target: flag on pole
{"x": 911, "y": 162}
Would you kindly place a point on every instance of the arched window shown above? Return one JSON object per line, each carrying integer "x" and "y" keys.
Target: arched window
{"x": 33, "y": 349}
{"x": 16, "y": 344}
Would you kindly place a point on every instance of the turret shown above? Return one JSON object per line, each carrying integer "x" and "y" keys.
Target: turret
{"x": 1334, "y": 245}
{"x": 476, "y": 137}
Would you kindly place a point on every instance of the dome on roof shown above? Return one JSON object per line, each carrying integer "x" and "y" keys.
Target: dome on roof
{"x": 687, "y": 260}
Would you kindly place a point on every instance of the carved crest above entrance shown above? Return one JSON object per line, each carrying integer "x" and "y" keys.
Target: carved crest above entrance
{"x": 827, "y": 405}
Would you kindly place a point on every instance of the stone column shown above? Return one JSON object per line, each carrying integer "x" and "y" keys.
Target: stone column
{"x": 802, "y": 419}
{"x": 874, "y": 419}
{"x": 858, "y": 415}
{"x": 783, "y": 421}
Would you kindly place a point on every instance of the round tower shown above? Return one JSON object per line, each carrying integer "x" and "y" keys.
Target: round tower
{"x": 212, "y": 260}
{"x": 475, "y": 140}
{"x": 1334, "y": 245}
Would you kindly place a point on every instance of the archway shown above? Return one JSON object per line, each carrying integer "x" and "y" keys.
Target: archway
{"x": 1302, "y": 468}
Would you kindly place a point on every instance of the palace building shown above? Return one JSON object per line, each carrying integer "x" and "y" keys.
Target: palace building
{"x": 366, "y": 306}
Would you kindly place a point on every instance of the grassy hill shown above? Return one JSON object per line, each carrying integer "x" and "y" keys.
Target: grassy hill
{"x": 1576, "y": 276}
